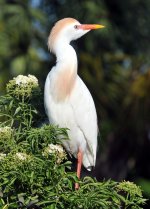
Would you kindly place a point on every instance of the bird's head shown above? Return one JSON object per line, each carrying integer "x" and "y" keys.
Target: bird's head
{"x": 67, "y": 30}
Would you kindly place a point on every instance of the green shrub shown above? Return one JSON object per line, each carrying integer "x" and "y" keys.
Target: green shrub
{"x": 34, "y": 170}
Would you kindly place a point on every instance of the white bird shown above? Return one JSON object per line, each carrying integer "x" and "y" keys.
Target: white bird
{"x": 68, "y": 102}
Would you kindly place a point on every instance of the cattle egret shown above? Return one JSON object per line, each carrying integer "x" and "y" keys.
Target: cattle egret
{"x": 68, "y": 102}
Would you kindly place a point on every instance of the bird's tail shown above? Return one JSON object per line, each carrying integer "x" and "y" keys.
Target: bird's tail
{"x": 89, "y": 160}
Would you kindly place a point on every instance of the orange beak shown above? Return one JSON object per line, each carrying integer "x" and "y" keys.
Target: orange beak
{"x": 90, "y": 26}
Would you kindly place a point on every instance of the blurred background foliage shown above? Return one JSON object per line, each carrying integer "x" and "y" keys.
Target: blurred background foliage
{"x": 113, "y": 62}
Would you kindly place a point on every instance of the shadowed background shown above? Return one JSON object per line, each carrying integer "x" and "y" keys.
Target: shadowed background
{"x": 113, "y": 62}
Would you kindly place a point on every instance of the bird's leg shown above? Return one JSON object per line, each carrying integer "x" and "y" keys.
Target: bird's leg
{"x": 79, "y": 165}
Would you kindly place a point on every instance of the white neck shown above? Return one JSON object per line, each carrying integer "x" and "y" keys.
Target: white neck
{"x": 66, "y": 55}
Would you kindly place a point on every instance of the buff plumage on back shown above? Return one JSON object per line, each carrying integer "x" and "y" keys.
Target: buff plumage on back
{"x": 56, "y": 30}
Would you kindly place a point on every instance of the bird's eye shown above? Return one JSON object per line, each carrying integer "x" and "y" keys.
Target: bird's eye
{"x": 76, "y": 26}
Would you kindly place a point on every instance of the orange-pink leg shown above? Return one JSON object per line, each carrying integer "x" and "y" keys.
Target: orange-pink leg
{"x": 79, "y": 165}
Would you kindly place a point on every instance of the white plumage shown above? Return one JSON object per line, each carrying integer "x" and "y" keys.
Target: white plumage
{"x": 68, "y": 102}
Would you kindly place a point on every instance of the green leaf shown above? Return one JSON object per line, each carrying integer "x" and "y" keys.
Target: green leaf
{"x": 17, "y": 110}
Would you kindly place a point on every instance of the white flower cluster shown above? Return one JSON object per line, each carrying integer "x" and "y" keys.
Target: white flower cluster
{"x": 5, "y": 132}
{"x": 17, "y": 156}
{"x": 23, "y": 86}
{"x": 5, "y": 129}
{"x": 57, "y": 150}
{"x": 22, "y": 80}
{"x": 21, "y": 156}
{"x": 2, "y": 156}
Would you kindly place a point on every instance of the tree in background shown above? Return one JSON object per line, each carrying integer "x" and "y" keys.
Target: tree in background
{"x": 21, "y": 39}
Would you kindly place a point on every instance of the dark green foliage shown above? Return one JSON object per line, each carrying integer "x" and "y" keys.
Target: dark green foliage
{"x": 34, "y": 167}
{"x": 20, "y": 39}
